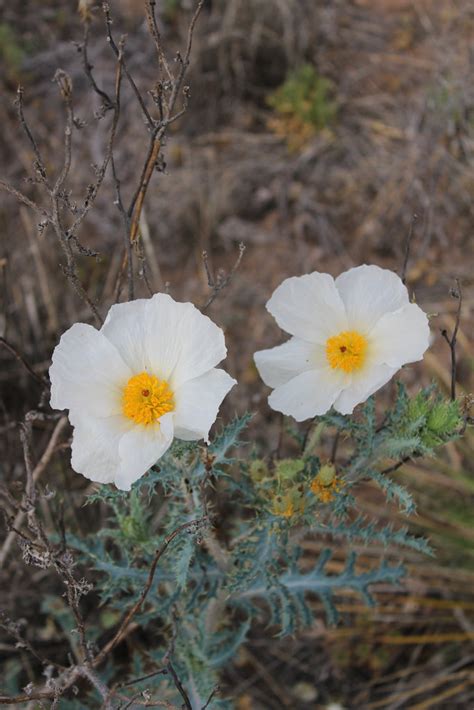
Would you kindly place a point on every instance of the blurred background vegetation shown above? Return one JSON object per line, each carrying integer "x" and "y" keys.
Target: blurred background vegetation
{"x": 316, "y": 131}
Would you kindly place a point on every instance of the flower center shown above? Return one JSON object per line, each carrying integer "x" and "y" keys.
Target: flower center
{"x": 146, "y": 398}
{"x": 346, "y": 351}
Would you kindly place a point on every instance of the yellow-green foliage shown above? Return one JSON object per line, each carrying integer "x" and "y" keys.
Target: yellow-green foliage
{"x": 303, "y": 106}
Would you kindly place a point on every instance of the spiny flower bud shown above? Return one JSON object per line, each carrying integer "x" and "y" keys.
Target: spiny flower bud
{"x": 326, "y": 474}
{"x": 444, "y": 418}
{"x": 258, "y": 470}
{"x": 287, "y": 469}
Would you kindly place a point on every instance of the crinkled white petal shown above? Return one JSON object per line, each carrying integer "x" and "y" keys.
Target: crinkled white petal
{"x": 87, "y": 373}
{"x": 309, "y": 394}
{"x": 140, "y": 448}
{"x": 363, "y": 385}
{"x": 368, "y": 293}
{"x": 400, "y": 337}
{"x": 181, "y": 342}
{"x": 125, "y": 328}
{"x": 198, "y": 402}
{"x": 309, "y": 307}
{"x": 278, "y": 365}
{"x": 95, "y": 445}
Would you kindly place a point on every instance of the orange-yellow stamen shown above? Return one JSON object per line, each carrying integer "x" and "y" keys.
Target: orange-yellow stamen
{"x": 146, "y": 398}
{"x": 346, "y": 351}
{"x": 326, "y": 484}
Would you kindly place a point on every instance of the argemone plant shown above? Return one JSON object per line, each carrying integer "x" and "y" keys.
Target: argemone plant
{"x": 142, "y": 394}
{"x": 147, "y": 376}
{"x": 350, "y": 336}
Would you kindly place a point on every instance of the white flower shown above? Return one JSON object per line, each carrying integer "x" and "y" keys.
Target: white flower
{"x": 146, "y": 376}
{"x": 350, "y": 337}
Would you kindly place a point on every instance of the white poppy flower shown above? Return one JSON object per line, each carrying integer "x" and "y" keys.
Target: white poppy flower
{"x": 146, "y": 376}
{"x": 350, "y": 336}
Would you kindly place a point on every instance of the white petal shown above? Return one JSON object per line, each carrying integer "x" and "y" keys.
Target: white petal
{"x": 278, "y": 365}
{"x": 401, "y": 337}
{"x": 182, "y": 343}
{"x": 310, "y": 394}
{"x": 95, "y": 445}
{"x": 363, "y": 385}
{"x": 140, "y": 449}
{"x": 125, "y": 328}
{"x": 197, "y": 404}
{"x": 87, "y": 373}
{"x": 368, "y": 293}
{"x": 309, "y": 307}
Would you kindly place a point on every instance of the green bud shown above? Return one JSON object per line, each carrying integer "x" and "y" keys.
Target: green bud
{"x": 287, "y": 469}
{"x": 444, "y": 418}
{"x": 326, "y": 474}
{"x": 418, "y": 407}
{"x": 258, "y": 470}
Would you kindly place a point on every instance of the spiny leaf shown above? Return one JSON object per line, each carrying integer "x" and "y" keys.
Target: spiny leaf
{"x": 286, "y": 596}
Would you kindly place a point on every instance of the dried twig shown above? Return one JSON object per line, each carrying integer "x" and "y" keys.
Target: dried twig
{"x": 155, "y": 33}
{"x": 158, "y": 130}
{"x": 137, "y": 202}
{"x": 13, "y": 351}
{"x": 39, "y": 165}
{"x": 117, "y": 51}
{"x": 452, "y": 341}
{"x": 94, "y": 189}
{"x": 179, "y": 687}
{"x": 36, "y": 474}
{"x": 222, "y": 279}
{"x": 88, "y": 67}
{"x": 211, "y": 696}
{"x": 25, "y": 200}
{"x": 184, "y": 61}
{"x": 408, "y": 242}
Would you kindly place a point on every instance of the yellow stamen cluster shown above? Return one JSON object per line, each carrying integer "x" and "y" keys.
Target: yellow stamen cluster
{"x": 284, "y": 508}
{"x": 289, "y": 504}
{"x": 326, "y": 484}
{"x": 146, "y": 398}
{"x": 346, "y": 351}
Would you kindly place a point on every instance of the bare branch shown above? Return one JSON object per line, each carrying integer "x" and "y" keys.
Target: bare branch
{"x": 116, "y": 50}
{"x": 64, "y": 82}
{"x": 146, "y": 175}
{"x": 127, "y": 261}
{"x": 24, "y": 199}
{"x": 452, "y": 341}
{"x": 13, "y": 351}
{"x": 179, "y": 687}
{"x": 184, "y": 61}
{"x": 222, "y": 280}
{"x": 408, "y": 247}
{"x": 211, "y": 696}
{"x": 94, "y": 189}
{"x": 88, "y": 67}
{"x": 156, "y": 36}
{"x": 39, "y": 164}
